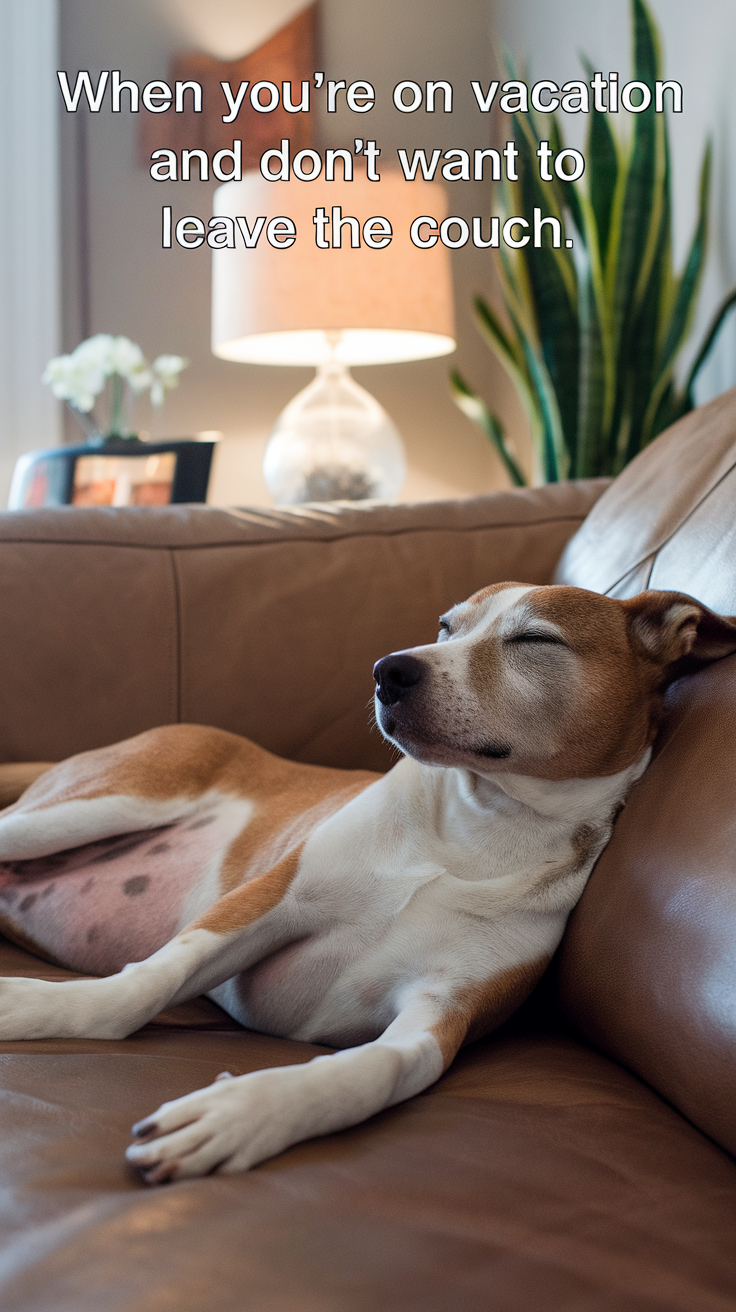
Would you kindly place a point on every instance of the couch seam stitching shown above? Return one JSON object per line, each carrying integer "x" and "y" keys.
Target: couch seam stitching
{"x": 654, "y": 551}
{"x": 176, "y": 653}
{"x": 247, "y": 542}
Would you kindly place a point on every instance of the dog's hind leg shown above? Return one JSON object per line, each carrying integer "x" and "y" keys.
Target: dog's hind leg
{"x": 109, "y": 855}
{"x": 17, "y": 776}
{"x": 106, "y": 856}
{"x": 237, "y": 931}
{"x": 147, "y": 781}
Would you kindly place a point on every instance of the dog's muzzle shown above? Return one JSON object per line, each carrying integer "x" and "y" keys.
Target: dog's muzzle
{"x": 395, "y": 677}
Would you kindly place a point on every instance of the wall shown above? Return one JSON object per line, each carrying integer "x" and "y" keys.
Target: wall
{"x": 29, "y": 229}
{"x": 161, "y": 298}
{"x": 117, "y": 279}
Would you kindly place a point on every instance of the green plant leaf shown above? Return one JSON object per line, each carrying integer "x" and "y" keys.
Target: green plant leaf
{"x": 647, "y": 69}
{"x": 551, "y": 278}
{"x": 687, "y": 286}
{"x": 709, "y": 340}
{"x": 641, "y": 364}
{"x": 677, "y": 306}
{"x": 568, "y": 192}
{"x": 592, "y": 338}
{"x": 603, "y": 325}
{"x": 637, "y": 203}
{"x": 507, "y": 348}
{"x": 476, "y": 409}
{"x": 591, "y": 385}
{"x": 510, "y": 353}
{"x": 555, "y": 455}
{"x": 602, "y": 158}
{"x": 640, "y": 206}
{"x": 551, "y": 197}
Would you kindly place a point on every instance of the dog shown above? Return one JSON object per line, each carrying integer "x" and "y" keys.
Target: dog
{"x": 394, "y": 917}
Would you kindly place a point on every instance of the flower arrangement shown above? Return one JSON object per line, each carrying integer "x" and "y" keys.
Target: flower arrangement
{"x": 81, "y": 377}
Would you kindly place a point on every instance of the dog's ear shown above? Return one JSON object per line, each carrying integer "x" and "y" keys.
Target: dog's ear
{"x": 678, "y": 632}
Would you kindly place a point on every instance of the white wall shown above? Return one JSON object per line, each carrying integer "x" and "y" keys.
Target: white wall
{"x": 29, "y": 224}
{"x": 699, "y": 41}
{"x": 161, "y": 299}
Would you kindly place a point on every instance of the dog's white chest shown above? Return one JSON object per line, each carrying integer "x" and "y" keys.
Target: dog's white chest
{"x": 390, "y": 891}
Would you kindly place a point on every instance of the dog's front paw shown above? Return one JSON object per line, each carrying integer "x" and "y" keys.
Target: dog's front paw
{"x": 230, "y": 1126}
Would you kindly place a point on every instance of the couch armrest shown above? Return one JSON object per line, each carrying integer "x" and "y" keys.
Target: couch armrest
{"x": 266, "y": 623}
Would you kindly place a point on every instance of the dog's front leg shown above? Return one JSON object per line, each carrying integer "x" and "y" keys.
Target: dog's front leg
{"x": 240, "y": 1121}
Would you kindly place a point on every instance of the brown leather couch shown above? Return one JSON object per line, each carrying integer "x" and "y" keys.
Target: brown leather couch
{"x": 579, "y": 1158}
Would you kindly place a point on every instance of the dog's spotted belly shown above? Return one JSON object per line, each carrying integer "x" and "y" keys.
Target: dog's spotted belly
{"x": 97, "y": 907}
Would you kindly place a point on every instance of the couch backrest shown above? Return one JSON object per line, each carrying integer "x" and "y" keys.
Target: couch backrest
{"x": 648, "y": 964}
{"x": 266, "y": 623}
{"x": 668, "y": 521}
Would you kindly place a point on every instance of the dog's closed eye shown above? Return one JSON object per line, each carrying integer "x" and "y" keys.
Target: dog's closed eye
{"x": 537, "y": 635}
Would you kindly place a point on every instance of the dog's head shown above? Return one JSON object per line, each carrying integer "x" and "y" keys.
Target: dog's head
{"x": 553, "y": 682}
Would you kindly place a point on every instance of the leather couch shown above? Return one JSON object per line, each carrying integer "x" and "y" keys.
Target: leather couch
{"x": 578, "y": 1158}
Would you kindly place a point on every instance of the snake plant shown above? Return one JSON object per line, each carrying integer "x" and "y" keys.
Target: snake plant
{"x": 592, "y": 334}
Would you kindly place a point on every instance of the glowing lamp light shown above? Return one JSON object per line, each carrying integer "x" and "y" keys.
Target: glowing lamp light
{"x": 334, "y": 307}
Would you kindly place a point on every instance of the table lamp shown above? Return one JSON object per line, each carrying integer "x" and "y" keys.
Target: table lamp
{"x": 331, "y": 307}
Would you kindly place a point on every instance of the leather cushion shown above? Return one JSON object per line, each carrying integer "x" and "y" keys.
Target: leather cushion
{"x": 266, "y": 623}
{"x": 648, "y": 963}
{"x": 668, "y": 520}
{"x": 535, "y": 1174}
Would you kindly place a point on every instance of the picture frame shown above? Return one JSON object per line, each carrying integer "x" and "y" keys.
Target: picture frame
{"x": 116, "y": 472}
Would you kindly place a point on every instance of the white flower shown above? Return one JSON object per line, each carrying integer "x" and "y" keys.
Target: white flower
{"x": 55, "y": 372}
{"x": 80, "y": 377}
{"x": 126, "y": 359}
{"x": 165, "y": 370}
{"x": 75, "y": 380}
{"x": 96, "y": 352}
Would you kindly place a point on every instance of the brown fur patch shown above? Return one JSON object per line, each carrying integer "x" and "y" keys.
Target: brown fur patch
{"x": 176, "y": 760}
{"x": 585, "y": 842}
{"x": 672, "y": 627}
{"x": 282, "y": 823}
{"x": 186, "y": 761}
{"x": 585, "y": 709}
{"x": 264, "y": 858}
{"x": 479, "y": 1008}
{"x": 249, "y": 901}
{"x": 612, "y": 717}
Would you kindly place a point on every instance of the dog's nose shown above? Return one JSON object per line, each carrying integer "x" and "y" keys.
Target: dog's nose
{"x": 395, "y": 676}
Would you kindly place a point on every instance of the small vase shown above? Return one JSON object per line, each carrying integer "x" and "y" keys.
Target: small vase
{"x": 334, "y": 442}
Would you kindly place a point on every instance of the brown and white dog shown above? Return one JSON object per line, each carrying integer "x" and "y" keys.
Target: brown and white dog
{"x": 394, "y": 917}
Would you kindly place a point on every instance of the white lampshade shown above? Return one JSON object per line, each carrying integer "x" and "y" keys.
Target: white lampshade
{"x": 275, "y": 306}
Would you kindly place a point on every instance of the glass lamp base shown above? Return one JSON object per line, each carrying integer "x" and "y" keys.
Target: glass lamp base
{"x": 334, "y": 442}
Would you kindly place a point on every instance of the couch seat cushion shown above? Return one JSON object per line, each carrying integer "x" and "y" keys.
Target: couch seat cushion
{"x": 537, "y": 1174}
